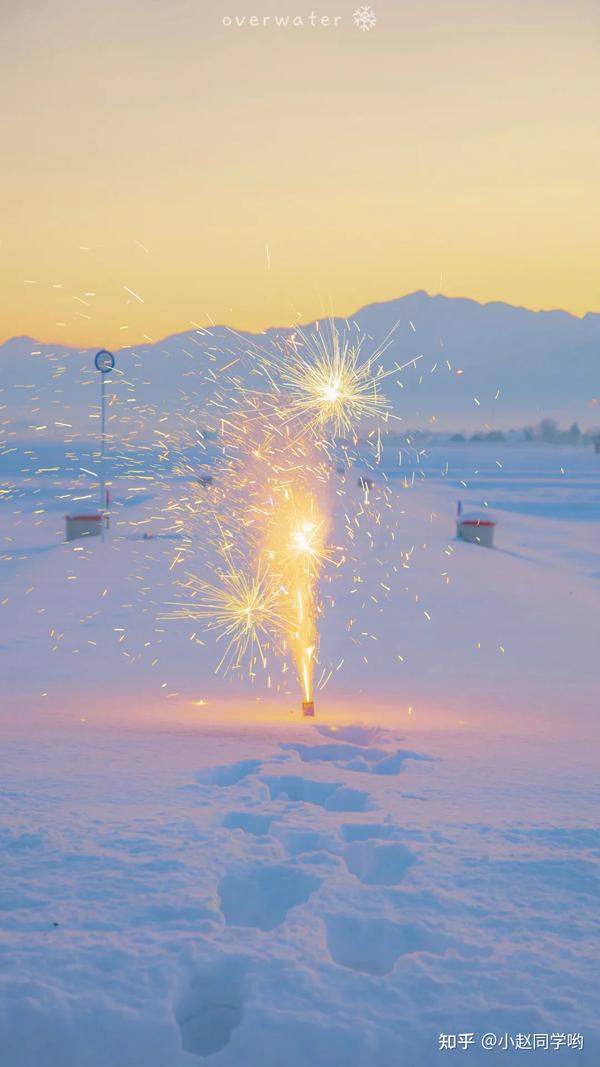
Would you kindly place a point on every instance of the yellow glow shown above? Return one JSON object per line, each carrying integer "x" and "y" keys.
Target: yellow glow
{"x": 295, "y": 539}
{"x": 305, "y": 539}
{"x": 267, "y": 521}
{"x": 160, "y": 169}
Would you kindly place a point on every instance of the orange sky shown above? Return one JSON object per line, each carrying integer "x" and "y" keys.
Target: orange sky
{"x": 253, "y": 175}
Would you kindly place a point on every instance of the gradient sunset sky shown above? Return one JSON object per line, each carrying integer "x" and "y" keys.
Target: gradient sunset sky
{"x": 253, "y": 175}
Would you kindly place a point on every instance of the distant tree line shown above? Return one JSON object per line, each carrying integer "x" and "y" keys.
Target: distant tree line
{"x": 547, "y": 431}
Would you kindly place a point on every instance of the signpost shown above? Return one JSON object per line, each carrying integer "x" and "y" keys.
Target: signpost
{"x": 105, "y": 362}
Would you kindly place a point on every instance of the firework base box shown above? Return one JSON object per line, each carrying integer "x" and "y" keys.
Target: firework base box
{"x": 308, "y": 708}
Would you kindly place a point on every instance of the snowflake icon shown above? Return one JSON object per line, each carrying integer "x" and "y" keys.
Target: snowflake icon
{"x": 364, "y": 18}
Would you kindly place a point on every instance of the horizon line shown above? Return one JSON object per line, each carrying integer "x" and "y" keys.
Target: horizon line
{"x": 196, "y": 328}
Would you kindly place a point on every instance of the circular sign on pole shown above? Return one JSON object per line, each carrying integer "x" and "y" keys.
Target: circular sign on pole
{"x": 104, "y": 361}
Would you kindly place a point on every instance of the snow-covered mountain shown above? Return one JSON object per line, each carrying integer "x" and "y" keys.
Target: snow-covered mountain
{"x": 481, "y": 364}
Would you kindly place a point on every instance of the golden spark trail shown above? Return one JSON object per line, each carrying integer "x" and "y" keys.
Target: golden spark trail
{"x": 295, "y": 545}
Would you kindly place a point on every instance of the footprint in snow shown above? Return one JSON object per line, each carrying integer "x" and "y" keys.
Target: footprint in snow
{"x": 212, "y": 1007}
{"x": 298, "y": 841}
{"x": 333, "y": 796}
{"x": 229, "y": 774}
{"x": 354, "y": 758}
{"x": 373, "y": 945}
{"x": 355, "y": 734}
{"x": 248, "y": 821}
{"x": 262, "y": 896}
{"x": 377, "y": 863}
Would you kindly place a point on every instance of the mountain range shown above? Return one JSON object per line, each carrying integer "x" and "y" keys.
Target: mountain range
{"x": 475, "y": 366}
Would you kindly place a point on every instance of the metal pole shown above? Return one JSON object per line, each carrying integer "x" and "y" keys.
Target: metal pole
{"x": 105, "y": 362}
{"x": 102, "y": 449}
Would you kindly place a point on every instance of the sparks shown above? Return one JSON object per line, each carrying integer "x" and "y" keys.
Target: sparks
{"x": 241, "y": 609}
{"x": 325, "y": 381}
